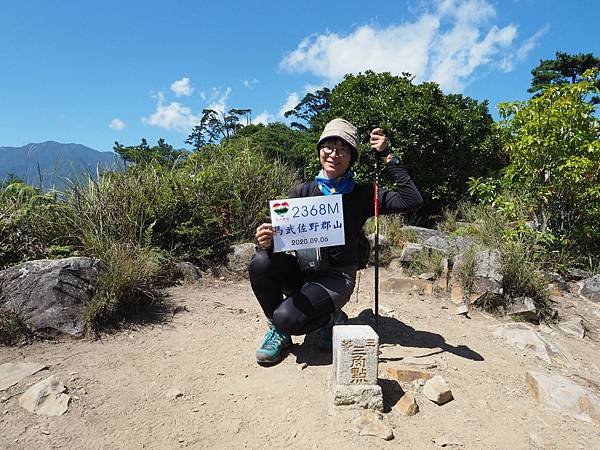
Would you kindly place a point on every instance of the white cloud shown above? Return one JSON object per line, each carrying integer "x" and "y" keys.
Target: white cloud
{"x": 182, "y": 87}
{"x": 446, "y": 45}
{"x": 263, "y": 118}
{"x": 173, "y": 116}
{"x": 509, "y": 61}
{"x": 116, "y": 124}
{"x": 250, "y": 83}
{"x": 291, "y": 102}
{"x": 219, "y": 100}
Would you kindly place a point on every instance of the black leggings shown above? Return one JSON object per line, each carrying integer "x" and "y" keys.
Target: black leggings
{"x": 306, "y": 307}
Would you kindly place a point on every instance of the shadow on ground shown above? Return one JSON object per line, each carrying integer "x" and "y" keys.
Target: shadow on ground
{"x": 393, "y": 331}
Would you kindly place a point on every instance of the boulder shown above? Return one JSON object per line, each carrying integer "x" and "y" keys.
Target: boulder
{"x": 421, "y": 234}
{"x": 410, "y": 252}
{"x": 487, "y": 274}
{"x": 447, "y": 244}
{"x": 188, "y": 271}
{"x": 239, "y": 257}
{"x": 51, "y": 295}
{"x": 590, "y": 289}
{"x": 565, "y": 396}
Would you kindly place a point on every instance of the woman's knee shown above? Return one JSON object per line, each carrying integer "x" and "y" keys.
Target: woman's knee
{"x": 288, "y": 318}
{"x": 259, "y": 264}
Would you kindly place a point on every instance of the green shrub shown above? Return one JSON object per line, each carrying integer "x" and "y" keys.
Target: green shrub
{"x": 12, "y": 328}
{"x": 554, "y": 151}
{"x": 466, "y": 271}
{"x": 27, "y": 223}
{"x": 431, "y": 261}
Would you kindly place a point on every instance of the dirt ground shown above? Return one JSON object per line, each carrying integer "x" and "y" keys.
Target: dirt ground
{"x": 120, "y": 384}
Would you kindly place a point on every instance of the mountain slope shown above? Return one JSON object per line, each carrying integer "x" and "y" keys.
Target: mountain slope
{"x": 51, "y": 164}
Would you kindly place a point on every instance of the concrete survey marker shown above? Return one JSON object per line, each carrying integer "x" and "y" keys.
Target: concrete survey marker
{"x": 355, "y": 367}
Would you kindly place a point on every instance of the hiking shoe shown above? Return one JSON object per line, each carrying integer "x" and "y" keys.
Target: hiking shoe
{"x": 326, "y": 333}
{"x": 272, "y": 348}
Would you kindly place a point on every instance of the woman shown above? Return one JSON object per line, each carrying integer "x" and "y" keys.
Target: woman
{"x": 297, "y": 302}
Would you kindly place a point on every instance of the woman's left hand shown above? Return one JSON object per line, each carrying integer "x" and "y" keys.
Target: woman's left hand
{"x": 378, "y": 140}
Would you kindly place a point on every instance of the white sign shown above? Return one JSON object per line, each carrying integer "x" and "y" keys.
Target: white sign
{"x": 307, "y": 222}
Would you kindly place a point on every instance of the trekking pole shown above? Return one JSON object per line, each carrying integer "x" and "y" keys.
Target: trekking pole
{"x": 376, "y": 203}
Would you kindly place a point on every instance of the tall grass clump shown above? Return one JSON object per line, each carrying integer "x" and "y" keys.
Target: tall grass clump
{"x": 12, "y": 328}
{"x": 27, "y": 222}
{"x": 522, "y": 250}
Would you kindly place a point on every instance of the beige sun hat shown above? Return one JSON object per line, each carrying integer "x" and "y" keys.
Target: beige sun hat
{"x": 343, "y": 129}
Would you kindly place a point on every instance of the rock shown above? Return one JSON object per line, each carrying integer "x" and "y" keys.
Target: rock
{"x": 12, "y": 373}
{"x": 578, "y": 274}
{"x": 487, "y": 273}
{"x": 239, "y": 257}
{"x": 407, "y": 375}
{"x": 46, "y": 398}
{"x": 410, "y": 252}
{"x": 564, "y": 395}
{"x": 396, "y": 285}
{"x": 440, "y": 243}
{"x": 173, "y": 394}
{"x": 437, "y": 390}
{"x": 51, "y": 294}
{"x": 462, "y": 309}
{"x": 457, "y": 294}
{"x": 589, "y": 289}
{"x": 552, "y": 277}
{"x": 524, "y": 307}
{"x": 385, "y": 249}
{"x": 407, "y": 405}
{"x": 427, "y": 276}
{"x": 446, "y": 441}
{"x": 444, "y": 276}
{"x": 524, "y": 337}
{"x": 188, "y": 271}
{"x": 421, "y": 234}
{"x": 573, "y": 327}
{"x": 370, "y": 424}
{"x": 449, "y": 245}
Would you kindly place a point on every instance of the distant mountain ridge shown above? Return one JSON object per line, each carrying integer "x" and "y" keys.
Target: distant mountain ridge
{"x": 51, "y": 164}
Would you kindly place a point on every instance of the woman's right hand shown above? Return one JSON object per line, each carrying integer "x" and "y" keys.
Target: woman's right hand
{"x": 264, "y": 235}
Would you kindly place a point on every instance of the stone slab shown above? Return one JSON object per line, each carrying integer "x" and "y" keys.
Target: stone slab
{"x": 46, "y": 398}
{"x": 12, "y": 373}
{"x": 564, "y": 395}
{"x": 407, "y": 375}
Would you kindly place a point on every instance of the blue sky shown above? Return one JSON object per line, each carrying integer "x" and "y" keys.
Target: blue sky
{"x": 104, "y": 71}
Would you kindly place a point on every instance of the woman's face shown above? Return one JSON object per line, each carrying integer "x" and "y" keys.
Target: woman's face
{"x": 335, "y": 156}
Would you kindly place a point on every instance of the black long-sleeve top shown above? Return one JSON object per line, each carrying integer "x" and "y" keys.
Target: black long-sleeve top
{"x": 359, "y": 205}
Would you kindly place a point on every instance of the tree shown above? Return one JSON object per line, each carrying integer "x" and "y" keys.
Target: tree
{"x": 312, "y": 110}
{"x": 215, "y": 126}
{"x": 554, "y": 152}
{"x": 565, "y": 68}
{"x": 442, "y": 139}
{"x": 162, "y": 153}
{"x": 279, "y": 142}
